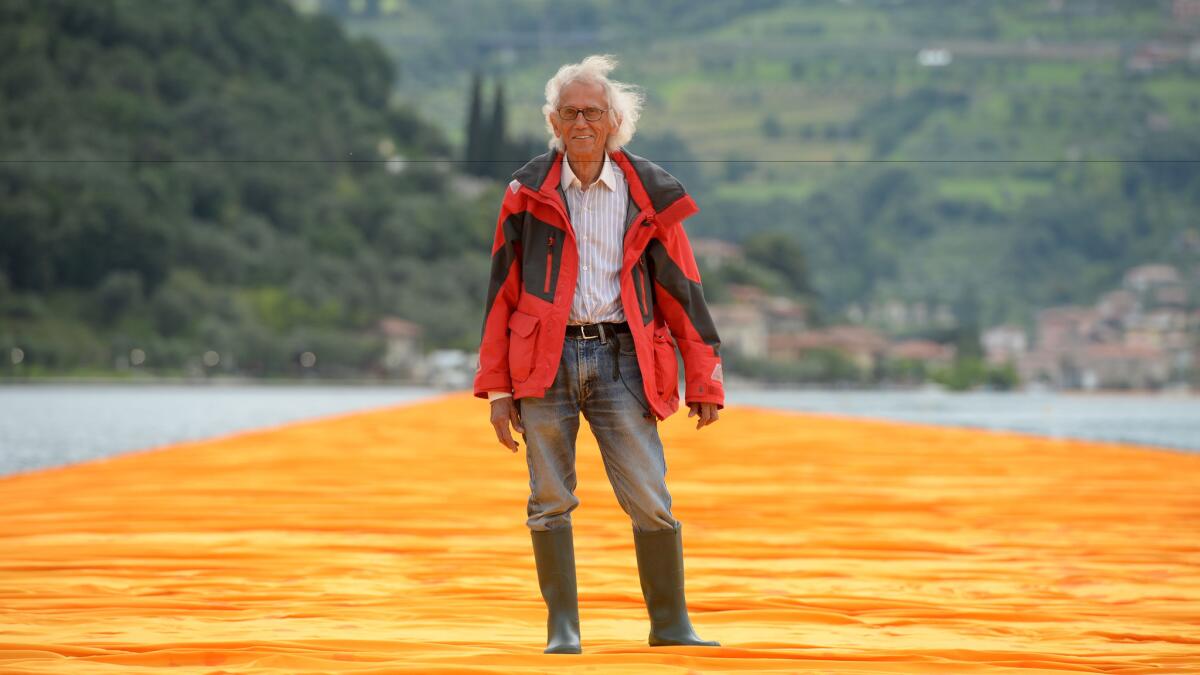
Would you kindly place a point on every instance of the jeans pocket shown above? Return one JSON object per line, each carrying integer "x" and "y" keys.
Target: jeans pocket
{"x": 631, "y": 375}
{"x": 625, "y": 341}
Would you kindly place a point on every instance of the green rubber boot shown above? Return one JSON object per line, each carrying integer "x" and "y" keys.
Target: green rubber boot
{"x": 554, "y": 552}
{"x": 660, "y": 566}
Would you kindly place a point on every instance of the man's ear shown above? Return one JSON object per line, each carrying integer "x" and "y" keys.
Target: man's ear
{"x": 553, "y": 126}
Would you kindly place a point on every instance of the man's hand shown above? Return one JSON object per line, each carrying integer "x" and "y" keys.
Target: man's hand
{"x": 504, "y": 412}
{"x": 706, "y": 411}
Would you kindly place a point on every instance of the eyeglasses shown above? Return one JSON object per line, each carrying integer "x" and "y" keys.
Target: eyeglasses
{"x": 567, "y": 113}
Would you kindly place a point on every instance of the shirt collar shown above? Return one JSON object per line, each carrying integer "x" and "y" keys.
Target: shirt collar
{"x": 606, "y": 178}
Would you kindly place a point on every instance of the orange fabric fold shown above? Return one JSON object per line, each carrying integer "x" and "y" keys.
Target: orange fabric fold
{"x": 394, "y": 541}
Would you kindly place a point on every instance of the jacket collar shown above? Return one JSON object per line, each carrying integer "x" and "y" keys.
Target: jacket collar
{"x": 650, "y": 186}
{"x": 543, "y": 170}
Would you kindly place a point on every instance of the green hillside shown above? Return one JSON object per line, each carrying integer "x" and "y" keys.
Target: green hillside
{"x": 266, "y": 179}
{"x": 816, "y": 117}
{"x": 188, "y": 177}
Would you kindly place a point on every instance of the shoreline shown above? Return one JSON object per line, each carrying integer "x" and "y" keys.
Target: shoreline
{"x": 217, "y": 381}
{"x": 734, "y": 384}
{"x": 64, "y": 421}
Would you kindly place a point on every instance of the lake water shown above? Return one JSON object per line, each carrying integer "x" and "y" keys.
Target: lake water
{"x": 1166, "y": 420}
{"x": 51, "y": 425}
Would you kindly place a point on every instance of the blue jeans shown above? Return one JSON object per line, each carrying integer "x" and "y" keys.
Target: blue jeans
{"x": 616, "y": 411}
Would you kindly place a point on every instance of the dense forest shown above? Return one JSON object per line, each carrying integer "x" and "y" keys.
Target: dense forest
{"x": 219, "y": 176}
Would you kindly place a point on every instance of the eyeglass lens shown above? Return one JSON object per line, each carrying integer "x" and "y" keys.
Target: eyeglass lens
{"x": 589, "y": 114}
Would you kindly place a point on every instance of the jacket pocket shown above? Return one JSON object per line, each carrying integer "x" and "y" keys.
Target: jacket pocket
{"x": 666, "y": 368}
{"x": 522, "y": 342}
{"x": 644, "y": 290}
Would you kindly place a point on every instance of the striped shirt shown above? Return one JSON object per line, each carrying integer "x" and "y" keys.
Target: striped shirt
{"x": 598, "y": 216}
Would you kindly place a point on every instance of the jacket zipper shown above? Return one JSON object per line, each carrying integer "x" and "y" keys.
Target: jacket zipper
{"x": 549, "y": 264}
{"x": 639, "y": 287}
{"x": 631, "y": 232}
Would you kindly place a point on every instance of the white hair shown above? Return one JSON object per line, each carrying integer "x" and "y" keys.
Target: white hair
{"x": 624, "y": 100}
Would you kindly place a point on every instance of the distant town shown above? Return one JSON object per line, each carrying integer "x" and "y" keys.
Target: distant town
{"x": 1142, "y": 335}
{"x": 1145, "y": 334}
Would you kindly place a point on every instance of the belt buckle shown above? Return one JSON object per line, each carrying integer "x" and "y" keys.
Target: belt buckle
{"x": 583, "y": 332}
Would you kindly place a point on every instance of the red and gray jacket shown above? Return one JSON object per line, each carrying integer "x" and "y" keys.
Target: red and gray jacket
{"x": 534, "y": 272}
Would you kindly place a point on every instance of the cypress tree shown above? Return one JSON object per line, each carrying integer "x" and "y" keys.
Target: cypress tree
{"x": 475, "y": 128}
{"x": 496, "y": 142}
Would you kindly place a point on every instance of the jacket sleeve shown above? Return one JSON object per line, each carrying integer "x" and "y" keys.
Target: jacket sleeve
{"x": 680, "y": 297}
{"x": 504, "y": 289}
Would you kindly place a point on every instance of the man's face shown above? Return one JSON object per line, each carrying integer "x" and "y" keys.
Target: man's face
{"x": 582, "y": 138}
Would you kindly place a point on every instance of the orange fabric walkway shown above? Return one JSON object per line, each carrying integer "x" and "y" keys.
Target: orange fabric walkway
{"x": 394, "y": 540}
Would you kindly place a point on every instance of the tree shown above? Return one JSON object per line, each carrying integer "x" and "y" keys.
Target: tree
{"x": 779, "y": 252}
{"x": 496, "y": 142}
{"x": 473, "y": 150}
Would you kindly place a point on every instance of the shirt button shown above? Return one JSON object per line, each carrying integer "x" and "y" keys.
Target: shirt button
{"x": 585, "y": 268}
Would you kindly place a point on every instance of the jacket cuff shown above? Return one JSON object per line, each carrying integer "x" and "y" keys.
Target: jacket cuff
{"x": 719, "y": 400}
{"x": 491, "y": 381}
{"x": 701, "y": 389}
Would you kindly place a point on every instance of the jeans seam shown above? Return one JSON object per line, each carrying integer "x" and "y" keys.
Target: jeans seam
{"x": 625, "y": 382}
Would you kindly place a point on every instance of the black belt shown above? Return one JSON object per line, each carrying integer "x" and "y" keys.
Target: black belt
{"x": 592, "y": 331}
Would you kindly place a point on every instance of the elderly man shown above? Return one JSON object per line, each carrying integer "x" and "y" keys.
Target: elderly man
{"x": 593, "y": 286}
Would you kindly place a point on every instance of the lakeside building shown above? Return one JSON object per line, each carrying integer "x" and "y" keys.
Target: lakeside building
{"x": 864, "y": 346}
{"x": 752, "y": 318}
{"x": 1004, "y": 344}
{"x": 900, "y": 316}
{"x": 403, "y": 352}
{"x": 715, "y": 253}
{"x": 927, "y": 352}
{"x": 743, "y": 328}
{"x": 1143, "y": 335}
